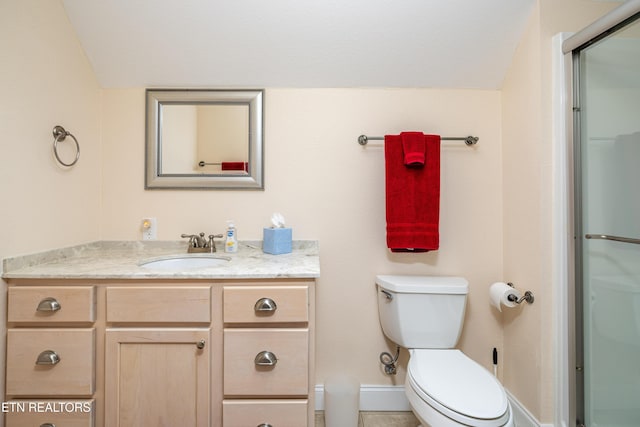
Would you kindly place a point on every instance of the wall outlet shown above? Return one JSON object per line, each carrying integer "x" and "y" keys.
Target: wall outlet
{"x": 149, "y": 229}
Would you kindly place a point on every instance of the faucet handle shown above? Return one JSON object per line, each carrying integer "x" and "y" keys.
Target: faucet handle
{"x": 191, "y": 237}
{"x": 212, "y": 244}
{"x": 195, "y": 240}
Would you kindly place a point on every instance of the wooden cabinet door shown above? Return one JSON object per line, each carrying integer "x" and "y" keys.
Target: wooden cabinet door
{"x": 157, "y": 377}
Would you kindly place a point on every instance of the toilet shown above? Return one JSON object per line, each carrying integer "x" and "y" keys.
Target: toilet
{"x": 445, "y": 388}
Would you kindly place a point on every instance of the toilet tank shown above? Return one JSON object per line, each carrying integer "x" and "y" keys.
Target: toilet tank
{"x": 422, "y": 311}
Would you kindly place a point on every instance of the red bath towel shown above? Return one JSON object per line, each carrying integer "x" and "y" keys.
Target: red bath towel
{"x": 413, "y": 148}
{"x": 234, "y": 166}
{"x": 412, "y": 197}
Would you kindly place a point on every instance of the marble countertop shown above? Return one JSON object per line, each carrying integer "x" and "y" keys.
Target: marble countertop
{"x": 122, "y": 259}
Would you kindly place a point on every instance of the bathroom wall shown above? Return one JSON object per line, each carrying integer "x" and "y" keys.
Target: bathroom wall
{"x": 526, "y": 213}
{"x": 330, "y": 188}
{"x": 527, "y": 163}
{"x": 45, "y": 80}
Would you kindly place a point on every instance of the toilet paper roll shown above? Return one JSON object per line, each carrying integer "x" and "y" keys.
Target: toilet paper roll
{"x": 499, "y": 295}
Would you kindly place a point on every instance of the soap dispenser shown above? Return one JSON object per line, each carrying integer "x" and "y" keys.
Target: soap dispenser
{"x": 231, "y": 243}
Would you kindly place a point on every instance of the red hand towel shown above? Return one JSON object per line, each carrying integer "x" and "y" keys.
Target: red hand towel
{"x": 234, "y": 166}
{"x": 412, "y": 197}
{"x": 413, "y": 148}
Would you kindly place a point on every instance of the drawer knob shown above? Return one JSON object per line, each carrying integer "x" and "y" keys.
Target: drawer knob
{"x": 266, "y": 358}
{"x": 48, "y": 425}
{"x": 261, "y": 425}
{"x": 49, "y": 304}
{"x": 265, "y": 305}
{"x": 48, "y": 357}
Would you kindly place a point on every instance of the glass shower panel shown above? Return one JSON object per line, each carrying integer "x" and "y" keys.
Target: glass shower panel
{"x": 610, "y": 206}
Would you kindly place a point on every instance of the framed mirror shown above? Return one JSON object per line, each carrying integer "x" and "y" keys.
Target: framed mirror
{"x": 204, "y": 139}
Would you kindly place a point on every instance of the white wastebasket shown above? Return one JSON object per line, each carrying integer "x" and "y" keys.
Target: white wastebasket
{"x": 341, "y": 401}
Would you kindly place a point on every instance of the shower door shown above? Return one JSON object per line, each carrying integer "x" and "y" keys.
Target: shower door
{"x": 607, "y": 222}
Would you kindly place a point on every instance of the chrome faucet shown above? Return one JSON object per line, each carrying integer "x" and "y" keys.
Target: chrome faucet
{"x": 198, "y": 244}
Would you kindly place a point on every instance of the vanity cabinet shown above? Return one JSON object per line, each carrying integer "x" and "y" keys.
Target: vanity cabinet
{"x": 157, "y": 364}
{"x": 267, "y": 355}
{"x": 51, "y": 356}
{"x": 164, "y": 352}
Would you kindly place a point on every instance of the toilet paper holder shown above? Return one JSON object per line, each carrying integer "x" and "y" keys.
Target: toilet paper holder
{"x": 528, "y": 296}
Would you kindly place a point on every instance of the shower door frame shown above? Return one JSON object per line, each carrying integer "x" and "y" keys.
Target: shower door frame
{"x": 569, "y": 378}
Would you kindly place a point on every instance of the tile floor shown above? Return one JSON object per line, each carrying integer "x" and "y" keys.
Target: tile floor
{"x": 379, "y": 419}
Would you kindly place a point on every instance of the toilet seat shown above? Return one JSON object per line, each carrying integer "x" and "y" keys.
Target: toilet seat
{"x": 458, "y": 387}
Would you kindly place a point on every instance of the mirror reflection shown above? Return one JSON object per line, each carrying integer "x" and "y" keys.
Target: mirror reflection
{"x": 204, "y": 139}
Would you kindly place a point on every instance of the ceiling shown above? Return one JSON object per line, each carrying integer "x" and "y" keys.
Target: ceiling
{"x": 299, "y": 43}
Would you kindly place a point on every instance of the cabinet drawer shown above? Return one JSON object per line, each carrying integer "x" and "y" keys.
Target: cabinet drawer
{"x": 248, "y": 304}
{"x": 287, "y": 376}
{"x": 38, "y": 304}
{"x": 275, "y": 412}
{"x": 72, "y": 375}
{"x": 33, "y": 413}
{"x": 188, "y": 304}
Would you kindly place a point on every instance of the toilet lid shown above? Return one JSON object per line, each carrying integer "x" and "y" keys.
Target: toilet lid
{"x": 464, "y": 389}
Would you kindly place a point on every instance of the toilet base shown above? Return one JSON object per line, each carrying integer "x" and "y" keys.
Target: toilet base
{"x": 430, "y": 417}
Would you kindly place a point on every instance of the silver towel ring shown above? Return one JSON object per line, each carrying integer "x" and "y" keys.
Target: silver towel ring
{"x": 59, "y": 135}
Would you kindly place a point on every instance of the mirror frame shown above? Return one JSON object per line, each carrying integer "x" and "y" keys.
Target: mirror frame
{"x": 156, "y": 98}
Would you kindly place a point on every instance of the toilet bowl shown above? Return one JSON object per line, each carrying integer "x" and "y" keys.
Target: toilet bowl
{"x": 445, "y": 388}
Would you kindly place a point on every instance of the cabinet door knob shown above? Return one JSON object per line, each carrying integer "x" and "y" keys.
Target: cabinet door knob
{"x": 49, "y": 304}
{"x": 261, "y": 425}
{"x": 48, "y": 425}
{"x": 265, "y": 305}
{"x": 266, "y": 358}
{"x": 48, "y": 357}
{"x": 200, "y": 344}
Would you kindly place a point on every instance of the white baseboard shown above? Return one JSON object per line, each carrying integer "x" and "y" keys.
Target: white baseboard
{"x": 521, "y": 416}
{"x": 392, "y": 398}
{"x": 373, "y": 398}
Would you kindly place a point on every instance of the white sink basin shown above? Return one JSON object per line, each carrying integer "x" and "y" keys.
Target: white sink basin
{"x": 184, "y": 262}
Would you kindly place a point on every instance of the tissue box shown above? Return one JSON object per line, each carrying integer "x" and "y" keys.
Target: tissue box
{"x": 277, "y": 241}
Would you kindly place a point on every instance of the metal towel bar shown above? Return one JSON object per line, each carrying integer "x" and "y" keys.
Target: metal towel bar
{"x": 614, "y": 238}
{"x": 469, "y": 140}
